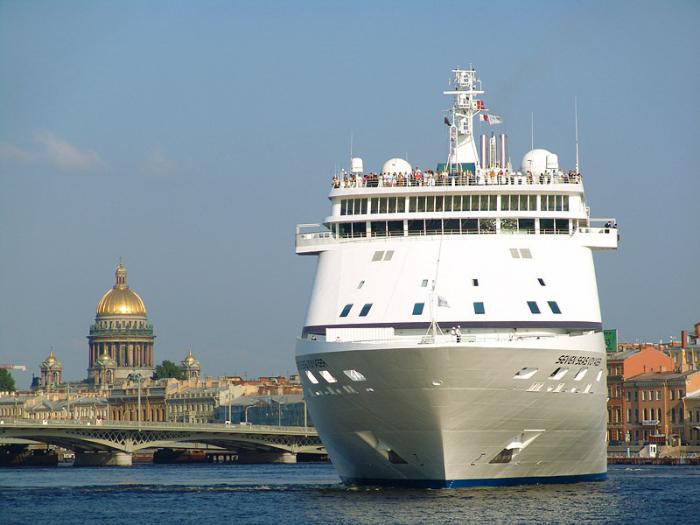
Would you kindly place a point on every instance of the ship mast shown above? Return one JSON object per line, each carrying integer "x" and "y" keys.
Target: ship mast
{"x": 464, "y": 109}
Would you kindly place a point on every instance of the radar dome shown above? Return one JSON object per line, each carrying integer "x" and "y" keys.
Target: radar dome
{"x": 396, "y": 166}
{"x": 539, "y": 161}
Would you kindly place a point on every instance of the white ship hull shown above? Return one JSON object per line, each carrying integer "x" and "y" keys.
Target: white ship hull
{"x": 441, "y": 415}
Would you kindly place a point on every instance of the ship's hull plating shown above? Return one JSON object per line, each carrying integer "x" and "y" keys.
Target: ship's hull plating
{"x": 454, "y": 415}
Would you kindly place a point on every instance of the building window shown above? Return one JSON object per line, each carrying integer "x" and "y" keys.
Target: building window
{"x": 644, "y": 397}
{"x": 365, "y": 310}
{"x": 479, "y": 308}
{"x": 418, "y": 308}
{"x": 532, "y": 305}
{"x": 670, "y": 391}
{"x": 658, "y": 395}
{"x": 554, "y": 307}
{"x": 541, "y": 281}
{"x": 346, "y": 310}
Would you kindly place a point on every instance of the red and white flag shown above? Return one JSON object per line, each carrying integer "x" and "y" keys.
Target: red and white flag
{"x": 491, "y": 119}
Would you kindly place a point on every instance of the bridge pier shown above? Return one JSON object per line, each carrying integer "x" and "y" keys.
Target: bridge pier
{"x": 252, "y": 458}
{"x": 102, "y": 459}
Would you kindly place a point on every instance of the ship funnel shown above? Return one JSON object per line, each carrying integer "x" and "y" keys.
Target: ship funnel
{"x": 503, "y": 151}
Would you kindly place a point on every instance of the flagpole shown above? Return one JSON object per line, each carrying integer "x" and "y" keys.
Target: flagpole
{"x": 532, "y": 130}
{"x": 576, "y": 124}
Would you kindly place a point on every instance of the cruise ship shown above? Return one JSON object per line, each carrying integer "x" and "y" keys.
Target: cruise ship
{"x": 454, "y": 336}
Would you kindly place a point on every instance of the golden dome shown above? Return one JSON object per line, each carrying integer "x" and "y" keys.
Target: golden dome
{"x": 51, "y": 362}
{"x": 121, "y": 300}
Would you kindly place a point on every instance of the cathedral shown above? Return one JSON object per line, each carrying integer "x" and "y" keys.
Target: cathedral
{"x": 120, "y": 340}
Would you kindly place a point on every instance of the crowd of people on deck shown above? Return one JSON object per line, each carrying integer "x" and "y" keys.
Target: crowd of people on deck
{"x": 455, "y": 178}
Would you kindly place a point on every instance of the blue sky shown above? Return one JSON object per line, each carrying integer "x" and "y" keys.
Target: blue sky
{"x": 189, "y": 138}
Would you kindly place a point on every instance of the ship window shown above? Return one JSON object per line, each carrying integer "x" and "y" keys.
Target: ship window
{"x": 475, "y": 282}
{"x": 365, "y": 310}
{"x": 377, "y": 255}
{"x": 598, "y": 376}
{"x": 360, "y": 284}
{"x": 418, "y": 308}
{"x": 311, "y": 377}
{"x": 395, "y": 228}
{"x": 526, "y": 226}
{"x": 525, "y": 373}
{"x": 420, "y": 204}
{"x": 546, "y": 225}
{"x": 388, "y": 255}
{"x": 469, "y": 225}
{"x": 541, "y": 281}
{"x": 416, "y": 227}
{"x": 525, "y": 253}
{"x": 580, "y": 374}
{"x": 424, "y": 283}
{"x": 466, "y": 202}
{"x": 325, "y": 374}
{"x": 354, "y": 375}
{"x": 479, "y": 308}
{"x": 532, "y": 305}
{"x": 346, "y": 310}
{"x": 558, "y": 373}
{"x": 433, "y": 226}
{"x": 514, "y": 253}
{"x": 487, "y": 225}
{"x": 378, "y": 229}
{"x": 451, "y": 225}
{"x": 554, "y": 307}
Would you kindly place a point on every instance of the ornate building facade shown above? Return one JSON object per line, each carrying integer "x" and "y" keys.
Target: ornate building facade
{"x": 191, "y": 366}
{"x": 51, "y": 372}
{"x": 120, "y": 340}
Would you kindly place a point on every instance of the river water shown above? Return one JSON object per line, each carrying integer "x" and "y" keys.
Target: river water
{"x": 311, "y": 493}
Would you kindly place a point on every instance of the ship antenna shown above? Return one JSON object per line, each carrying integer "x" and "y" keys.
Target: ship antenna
{"x": 576, "y": 125}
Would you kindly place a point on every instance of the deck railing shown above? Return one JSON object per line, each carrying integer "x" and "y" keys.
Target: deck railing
{"x": 486, "y": 179}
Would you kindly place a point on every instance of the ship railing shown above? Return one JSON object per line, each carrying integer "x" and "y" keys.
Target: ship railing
{"x": 442, "y": 338}
{"x": 485, "y": 179}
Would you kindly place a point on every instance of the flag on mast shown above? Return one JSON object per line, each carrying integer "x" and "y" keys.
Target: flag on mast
{"x": 491, "y": 119}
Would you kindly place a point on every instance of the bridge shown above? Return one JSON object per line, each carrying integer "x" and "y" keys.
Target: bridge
{"x": 113, "y": 443}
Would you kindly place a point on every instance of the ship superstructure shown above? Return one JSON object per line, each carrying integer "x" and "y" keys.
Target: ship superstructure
{"x": 453, "y": 335}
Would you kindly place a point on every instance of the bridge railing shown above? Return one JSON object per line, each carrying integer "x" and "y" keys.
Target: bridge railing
{"x": 135, "y": 425}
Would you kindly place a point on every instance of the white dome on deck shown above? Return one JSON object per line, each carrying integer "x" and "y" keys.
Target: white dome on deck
{"x": 537, "y": 161}
{"x": 396, "y": 166}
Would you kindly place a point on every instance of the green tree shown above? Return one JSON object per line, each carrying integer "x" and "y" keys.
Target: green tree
{"x": 168, "y": 369}
{"x": 7, "y": 382}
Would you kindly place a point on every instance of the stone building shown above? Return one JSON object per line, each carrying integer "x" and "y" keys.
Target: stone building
{"x": 121, "y": 333}
{"x": 191, "y": 366}
{"x": 51, "y": 372}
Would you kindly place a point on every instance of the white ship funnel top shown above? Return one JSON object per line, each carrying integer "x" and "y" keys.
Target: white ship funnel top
{"x": 396, "y": 165}
{"x": 539, "y": 161}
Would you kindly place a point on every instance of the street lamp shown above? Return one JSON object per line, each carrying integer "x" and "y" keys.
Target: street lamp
{"x": 138, "y": 378}
{"x": 245, "y": 413}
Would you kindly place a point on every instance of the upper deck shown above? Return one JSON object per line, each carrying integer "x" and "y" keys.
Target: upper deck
{"x": 376, "y": 183}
